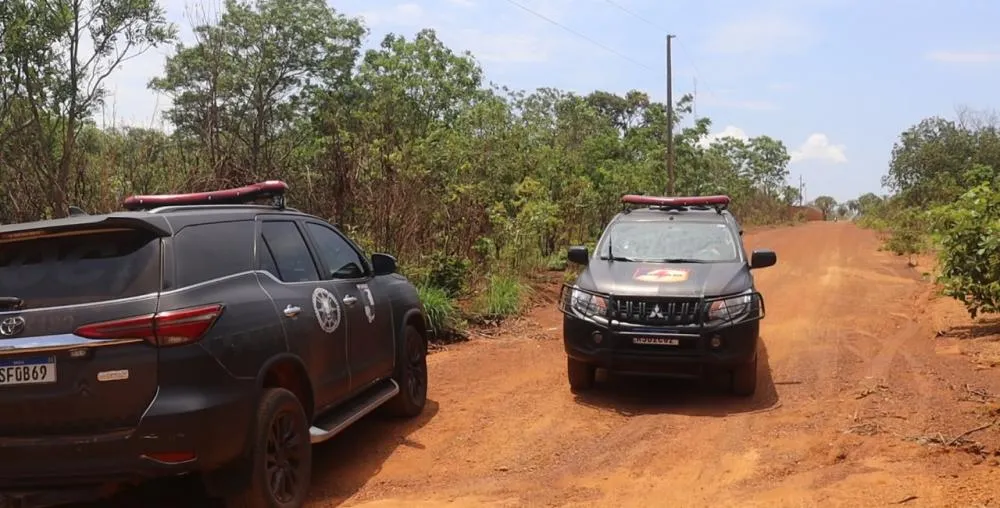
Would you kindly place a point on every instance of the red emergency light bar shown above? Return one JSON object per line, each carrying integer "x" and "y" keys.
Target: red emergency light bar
{"x": 680, "y": 201}
{"x": 274, "y": 189}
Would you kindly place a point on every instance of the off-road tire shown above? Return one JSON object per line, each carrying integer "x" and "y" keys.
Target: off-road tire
{"x": 744, "y": 379}
{"x": 581, "y": 375}
{"x": 410, "y": 374}
{"x": 280, "y": 417}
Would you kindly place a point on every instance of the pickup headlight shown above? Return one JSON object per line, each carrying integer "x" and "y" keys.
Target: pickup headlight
{"x": 733, "y": 307}
{"x": 589, "y": 305}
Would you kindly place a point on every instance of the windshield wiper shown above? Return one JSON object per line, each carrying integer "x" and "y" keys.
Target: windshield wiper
{"x": 11, "y": 303}
{"x": 618, "y": 258}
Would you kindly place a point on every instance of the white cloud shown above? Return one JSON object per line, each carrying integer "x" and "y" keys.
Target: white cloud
{"x": 463, "y": 3}
{"x": 818, "y": 147}
{"x": 969, "y": 57}
{"x": 406, "y": 14}
{"x": 503, "y": 47}
{"x": 761, "y": 34}
{"x": 730, "y": 131}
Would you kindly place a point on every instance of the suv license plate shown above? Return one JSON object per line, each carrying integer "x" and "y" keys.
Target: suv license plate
{"x": 656, "y": 341}
{"x": 28, "y": 371}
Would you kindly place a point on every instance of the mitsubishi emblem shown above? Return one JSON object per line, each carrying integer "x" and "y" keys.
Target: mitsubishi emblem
{"x": 656, "y": 312}
{"x": 12, "y": 326}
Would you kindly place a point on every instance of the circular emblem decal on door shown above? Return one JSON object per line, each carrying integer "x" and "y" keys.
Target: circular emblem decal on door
{"x": 327, "y": 310}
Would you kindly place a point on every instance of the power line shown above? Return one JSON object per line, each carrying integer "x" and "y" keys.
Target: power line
{"x": 657, "y": 26}
{"x": 582, "y": 36}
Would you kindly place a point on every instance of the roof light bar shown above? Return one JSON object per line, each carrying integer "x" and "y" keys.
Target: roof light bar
{"x": 680, "y": 201}
{"x": 274, "y": 189}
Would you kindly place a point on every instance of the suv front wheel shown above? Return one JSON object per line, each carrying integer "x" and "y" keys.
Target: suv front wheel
{"x": 281, "y": 455}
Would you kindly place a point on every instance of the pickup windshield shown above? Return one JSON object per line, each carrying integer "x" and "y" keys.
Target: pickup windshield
{"x": 670, "y": 242}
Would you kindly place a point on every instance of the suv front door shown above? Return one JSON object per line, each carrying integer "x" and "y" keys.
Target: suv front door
{"x": 370, "y": 341}
{"x": 312, "y": 315}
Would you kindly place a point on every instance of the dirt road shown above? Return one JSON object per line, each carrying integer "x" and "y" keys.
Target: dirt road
{"x": 855, "y": 392}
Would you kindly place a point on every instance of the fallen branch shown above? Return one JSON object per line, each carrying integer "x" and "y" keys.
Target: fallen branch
{"x": 971, "y": 431}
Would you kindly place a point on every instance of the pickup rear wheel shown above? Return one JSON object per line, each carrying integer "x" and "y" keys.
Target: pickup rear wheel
{"x": 281, "y": 455}
{"x": 410, "y": 374}
{"x": 581, "y": 375}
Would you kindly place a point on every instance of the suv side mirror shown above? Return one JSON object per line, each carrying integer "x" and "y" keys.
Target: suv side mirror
{"x": 383, "y": 264}
{"x": 578, "y": 255}
{"x": 763, "y": 259}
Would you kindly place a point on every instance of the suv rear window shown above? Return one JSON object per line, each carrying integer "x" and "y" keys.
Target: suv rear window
{"x": 209, "y": 251}
{"x": 83, "y": 267}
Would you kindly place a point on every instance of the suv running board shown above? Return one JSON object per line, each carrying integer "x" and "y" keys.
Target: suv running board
{"x": 332, "y": 424}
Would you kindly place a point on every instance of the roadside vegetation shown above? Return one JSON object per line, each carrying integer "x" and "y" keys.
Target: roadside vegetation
{"x": 406, "y": 146}
{"x": 944, "y": 179}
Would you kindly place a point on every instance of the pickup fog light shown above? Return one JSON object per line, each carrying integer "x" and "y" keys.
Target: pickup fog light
{"x": 597, "y": 336}
{"x": 730, "y": 308}
{"x": 715, "y": 342}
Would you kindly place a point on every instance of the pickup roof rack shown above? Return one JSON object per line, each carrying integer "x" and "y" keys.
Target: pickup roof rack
{"x": 271, "y": 189}
{"x": 718, "y": 202}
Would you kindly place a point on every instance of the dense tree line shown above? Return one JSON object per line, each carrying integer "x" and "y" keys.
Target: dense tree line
{"x": 944, "y": 180}
{"x": 405, "y": 145}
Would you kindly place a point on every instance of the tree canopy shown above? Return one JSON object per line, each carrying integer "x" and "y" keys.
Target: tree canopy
{"x": 405, "y": 145}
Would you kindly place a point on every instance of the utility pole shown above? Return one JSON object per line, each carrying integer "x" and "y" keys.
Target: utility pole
{"x": 694, "y": 102}
{"x": 670, "y": 122}
{"x": 802, "y": 190}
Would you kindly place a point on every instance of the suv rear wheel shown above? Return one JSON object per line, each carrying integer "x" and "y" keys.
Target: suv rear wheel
{"x": 281, "y": 456}
{"x": 581, "y": 375}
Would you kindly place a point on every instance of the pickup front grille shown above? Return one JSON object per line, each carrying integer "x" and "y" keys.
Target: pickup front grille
{"x": 657, "y": 311}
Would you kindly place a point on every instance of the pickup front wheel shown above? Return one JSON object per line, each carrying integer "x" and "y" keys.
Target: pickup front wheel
{"x": 581, "y": 375}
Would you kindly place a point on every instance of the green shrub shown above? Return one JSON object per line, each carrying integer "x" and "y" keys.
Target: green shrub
{"x": 442, "y": 313}
{"x": 968, "y": 232}
{"x": 448, "y": 273}
{"x": 504, "y": 296}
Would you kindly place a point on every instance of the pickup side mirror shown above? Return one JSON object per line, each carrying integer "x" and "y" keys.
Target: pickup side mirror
{"x": 763, "y": 259}
{"x": 383, "y": 264}
{"x": 578, "y": 255}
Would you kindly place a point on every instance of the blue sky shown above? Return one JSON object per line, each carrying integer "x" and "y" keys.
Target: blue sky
{"x": 835, "y": 80}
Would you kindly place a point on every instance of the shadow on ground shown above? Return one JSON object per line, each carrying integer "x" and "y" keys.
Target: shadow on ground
{"x": 341, "y": 467}
{"x": 633, "y": 396}
{"x": 983, "y": 327}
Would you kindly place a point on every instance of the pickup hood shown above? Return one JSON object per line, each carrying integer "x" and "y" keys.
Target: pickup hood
{"x": 662, "y": 279}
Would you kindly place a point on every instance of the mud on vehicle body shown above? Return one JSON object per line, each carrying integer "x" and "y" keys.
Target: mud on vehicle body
{"x": 668, "y": 292}
{"x": 194, "y": 334}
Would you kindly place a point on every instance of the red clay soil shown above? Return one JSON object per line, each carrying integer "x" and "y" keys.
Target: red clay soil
{"x": 870, "y": 394}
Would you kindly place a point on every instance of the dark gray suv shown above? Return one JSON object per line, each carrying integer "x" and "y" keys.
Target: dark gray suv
{"x": 194, "y": 334}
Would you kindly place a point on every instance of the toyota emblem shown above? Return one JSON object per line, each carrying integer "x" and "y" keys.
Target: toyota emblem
{"x": 12, "y": 326}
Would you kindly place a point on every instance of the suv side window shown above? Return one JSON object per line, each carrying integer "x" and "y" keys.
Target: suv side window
{"x": 210, "y": 251}
{"x": 283, "y": 242}
{"x": 338, "y": 256}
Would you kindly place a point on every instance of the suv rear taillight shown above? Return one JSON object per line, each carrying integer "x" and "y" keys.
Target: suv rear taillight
{"x": 163, "y": 329}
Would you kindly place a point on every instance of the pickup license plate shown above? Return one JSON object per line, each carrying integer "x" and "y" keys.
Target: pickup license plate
{"x": 28, "y": 371}
{"x": 656, "y": 341}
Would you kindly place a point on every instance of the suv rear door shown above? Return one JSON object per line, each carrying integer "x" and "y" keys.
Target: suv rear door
{"x": 52, "y": 380}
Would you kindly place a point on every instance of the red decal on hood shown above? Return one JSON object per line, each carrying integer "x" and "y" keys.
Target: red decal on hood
{"x": 661, "y": 275}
